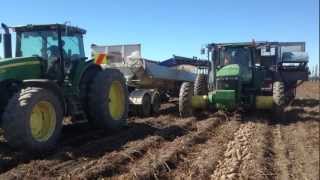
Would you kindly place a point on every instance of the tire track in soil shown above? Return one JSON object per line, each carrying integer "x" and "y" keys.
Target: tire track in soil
{"x": 296, "y": 157}
{"x": 282, "y": 162}
{"x": 113, "y": 164}
{"x": 71, "y": 139}
{"x": 65, "y": 160}
{"x": 294, "y": 140}
{"x": 87, "y": 142}
{"x": 115, "y": 161}
{"x": 158, "y": 161}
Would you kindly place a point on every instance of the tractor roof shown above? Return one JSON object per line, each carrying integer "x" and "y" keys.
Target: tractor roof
{"x": 257, "y": 43}
{"x": 39, "y": 27}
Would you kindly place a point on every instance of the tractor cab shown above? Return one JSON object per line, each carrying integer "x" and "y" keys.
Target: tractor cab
{"x": 57, "y": 47}
{"x": 231, "y": 63}
{"x": 227, "y": 55}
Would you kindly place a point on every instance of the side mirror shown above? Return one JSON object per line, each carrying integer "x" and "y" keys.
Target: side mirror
{"x": 203, "y": 51}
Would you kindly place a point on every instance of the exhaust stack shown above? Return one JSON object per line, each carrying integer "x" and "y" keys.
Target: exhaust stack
{"x": 7, "y": 44}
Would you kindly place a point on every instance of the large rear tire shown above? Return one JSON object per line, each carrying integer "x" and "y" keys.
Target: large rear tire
{"x": 185, "y": 97}
{"x": 201, "y": 85}
{"x": 33, "y": 119}
{"x": 108, "y": 100}
{"x": 3, "y": 100}
{"x": 279, "y": 98}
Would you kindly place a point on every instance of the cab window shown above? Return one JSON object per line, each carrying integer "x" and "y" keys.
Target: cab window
{"x": 72, "y": 46}
{"x": 37, "y": 43}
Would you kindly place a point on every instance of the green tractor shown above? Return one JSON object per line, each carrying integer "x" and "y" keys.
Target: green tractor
{"x": 262, "y": 75}
{"x": 50, "y": 79}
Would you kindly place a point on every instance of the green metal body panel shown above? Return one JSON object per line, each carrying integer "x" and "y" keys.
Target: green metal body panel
{"x": 21, "y": 68}
{"x": 223, "y": 99}
{"x": 229, "y": 70}
{"x": 234, "y": 70}
{"x": 26, "y": 68}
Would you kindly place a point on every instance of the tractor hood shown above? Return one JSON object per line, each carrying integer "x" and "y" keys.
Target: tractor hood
{"x": 20, "y": 68}
{"x": 231, "y": 70}
{"x": 234, "y": 70}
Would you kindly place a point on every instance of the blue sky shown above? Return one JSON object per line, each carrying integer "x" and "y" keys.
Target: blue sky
{"x": 181, "y": 27}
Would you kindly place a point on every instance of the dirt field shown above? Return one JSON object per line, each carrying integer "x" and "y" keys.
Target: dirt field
{"x": 210, "y": 146}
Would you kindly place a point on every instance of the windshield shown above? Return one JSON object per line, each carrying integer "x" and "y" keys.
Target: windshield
{"x": 235, "y": 55}
{"x": 45, "y": 44}
{"x": 72, "y": 46}
{"x": 37, "y": 43}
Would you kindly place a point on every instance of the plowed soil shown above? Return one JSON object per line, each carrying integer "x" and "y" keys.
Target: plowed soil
{"x": 216, "y": 145}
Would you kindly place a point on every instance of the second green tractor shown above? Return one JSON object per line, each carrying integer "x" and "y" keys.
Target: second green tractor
{"x": 249, "y": 75}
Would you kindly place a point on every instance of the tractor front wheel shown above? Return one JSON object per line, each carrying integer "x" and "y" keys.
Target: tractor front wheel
{"x": 33, "y": 119}
{"x": 108, "y": 100}
{"x": 185, "y": 98}
{"x": 201, "y": 85}
{"x": 279, "y": 99}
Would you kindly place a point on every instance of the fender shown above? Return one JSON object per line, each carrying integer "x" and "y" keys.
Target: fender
{"x": 81, "y": 72}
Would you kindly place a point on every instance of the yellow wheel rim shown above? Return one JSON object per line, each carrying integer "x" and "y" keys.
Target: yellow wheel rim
{"x": 42, "y": 121}
{"x": 116, "y": 100}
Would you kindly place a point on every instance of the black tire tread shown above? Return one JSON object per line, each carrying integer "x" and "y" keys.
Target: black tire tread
{"x": 185, "y": 96}
{"x": 146, "y": 101}
{"x": 279, "y": 99}
{"x": 97, "y": 104}
{"x": 201, "y": 85}
{"x": 279, "y": 93}
{"x": 156, "y": 103}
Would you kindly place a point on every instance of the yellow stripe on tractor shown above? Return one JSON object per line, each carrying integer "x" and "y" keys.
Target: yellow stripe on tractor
{"x": 100, "y": 58}
{"x": 264, "y": 102}
{"x": 199, "y": 102}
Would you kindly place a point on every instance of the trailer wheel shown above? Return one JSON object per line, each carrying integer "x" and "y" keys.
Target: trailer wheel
{"x": 201, "y": 85}
{"x": 279, "y": 98}
{"x": 185, "y": 97}
{"x": 290, "y": 93}
{"x": 32, "y": 119}
{"x": 145, "y": 108}
{"x": 108, "y": 100}
{"x": 156, "y": 103}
